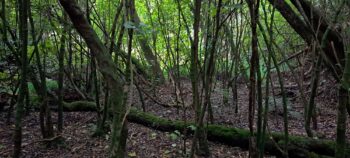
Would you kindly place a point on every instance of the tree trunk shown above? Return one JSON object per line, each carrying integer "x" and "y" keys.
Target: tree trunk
{"x": 45, "y": 114}
{"x": 341, "y": 149}
{"x": 108, "y": 69}
{"x": 298, "y": 146}
{"x": 199, "y": 145}
{"x": 60, "y": 82}
{"x": 253, "y": 73}
{"x": 307, "y": 33}
{"x": 23, "y": 35}
{"x": 311, "y": 106}
{"x": 147, "y": 50}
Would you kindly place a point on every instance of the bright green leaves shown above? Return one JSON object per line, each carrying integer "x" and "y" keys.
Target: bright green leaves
{"x": 175, "y": 135}
{"x": 192, "y": 127}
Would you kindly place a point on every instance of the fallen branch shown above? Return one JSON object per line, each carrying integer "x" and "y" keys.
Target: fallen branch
{"x": 294, "y": 55}
{"x": 155, "y": 100}
{"x": 298, "y": 146}
{"x": 74, "y": 85}
{"x": 79, "y": 106}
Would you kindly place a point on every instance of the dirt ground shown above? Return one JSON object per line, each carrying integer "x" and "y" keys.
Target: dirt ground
{"x": 144, "y": 142}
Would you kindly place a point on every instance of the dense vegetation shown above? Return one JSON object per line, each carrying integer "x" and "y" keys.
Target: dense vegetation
{"x": 114, "y": 57}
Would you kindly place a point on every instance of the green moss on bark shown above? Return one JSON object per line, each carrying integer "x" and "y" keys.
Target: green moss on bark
{"x": 298, "y": 146}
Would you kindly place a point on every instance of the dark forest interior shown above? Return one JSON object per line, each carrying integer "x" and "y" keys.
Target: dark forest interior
{"x": 175, "y": 78}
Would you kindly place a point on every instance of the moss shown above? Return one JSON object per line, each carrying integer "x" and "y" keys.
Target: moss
{"x": 232, "y": 136}
{"x": 313, "y": 155}
{"x": 51, "y": 85}
{"x": 79, "y": 106}
{"x": 228, "y": 132}
{"x": 35, "y": 100}
{"x": 299, "y": 146}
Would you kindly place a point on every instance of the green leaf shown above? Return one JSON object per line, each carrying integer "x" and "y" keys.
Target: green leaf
{"x": 177, "y": 132}
{"x": 173, "y": 136}
{"x": 192, "y": 127}
{"x": 3, "y": 75}
{"x": 213, "y": 12}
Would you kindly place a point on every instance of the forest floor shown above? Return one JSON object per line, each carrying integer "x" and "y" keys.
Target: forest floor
{"x": 144, "y": 142}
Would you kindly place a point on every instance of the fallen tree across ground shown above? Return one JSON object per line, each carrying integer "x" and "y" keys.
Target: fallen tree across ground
{"x": 298, "y": 146}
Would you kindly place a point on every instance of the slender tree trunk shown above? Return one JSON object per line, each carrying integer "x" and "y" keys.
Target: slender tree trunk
{"x": 108, "y": 69}
{"x": 12, "y": 103}
{"x": 101, "y": 122}
{"x": 305, "y": 31}
{"x": 61, "y": 79}
{"x": 45, "y": 114}
{"x": 341, "y": 123}
{"x": 343, "y": 103}
{"x": 261, "y": 144}
{"x": 199, "y": 147}
{"x": 208, "y": 80}
{"x": 23, "y": 35}
{"x": 147, "y": 50}
{"x": 311, "y": 106}
{"x": 253, "y": 10}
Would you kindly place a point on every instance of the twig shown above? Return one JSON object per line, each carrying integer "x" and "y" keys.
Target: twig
{"x": 294, "y": 55}
{"x": 78, "y": 147}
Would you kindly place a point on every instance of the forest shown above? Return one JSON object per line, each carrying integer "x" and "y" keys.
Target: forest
{"x": 175, "y": 78}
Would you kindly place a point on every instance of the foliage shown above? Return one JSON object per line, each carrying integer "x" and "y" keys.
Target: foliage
{"x": 166, "y": 29}
{"x": 52, "y": 85}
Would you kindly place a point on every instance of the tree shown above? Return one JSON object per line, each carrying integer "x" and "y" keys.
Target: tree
{"x": 254, "y": 71}
{"x": 61, "y": 79}
{"x": 147, "y": 50}
{"x": 23, "y": 35}
{"x": 305, "y": 30}
{"x": 199, "y": 144}
{"x": 109, "y": 70}
{"x": 117, "y": 46}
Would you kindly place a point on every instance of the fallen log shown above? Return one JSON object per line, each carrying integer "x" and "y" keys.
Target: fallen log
{"x": 298, "y": 146}
{"x": 79, "y": 106}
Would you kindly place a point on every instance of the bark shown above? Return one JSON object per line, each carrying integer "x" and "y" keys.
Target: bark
{"x": 311, "y": 106}
{"x": 341, "y": 149}
{"x": 23, "y": 35}
{"x": 298, "y": 146}
{"x": 200, "y": 144}
{"x": 60, "y": 81}
{"x": 147, "y": 50}
{"x": 45, "y": 114}
{"x": 253, "y": 73}
{"x": 108, "y": 69}
{"x": 307, "y": 33}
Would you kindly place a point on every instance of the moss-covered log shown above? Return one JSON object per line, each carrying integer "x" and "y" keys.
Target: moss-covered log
{"x": 79, "y": 106}
{"x": 298, "y": 146}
